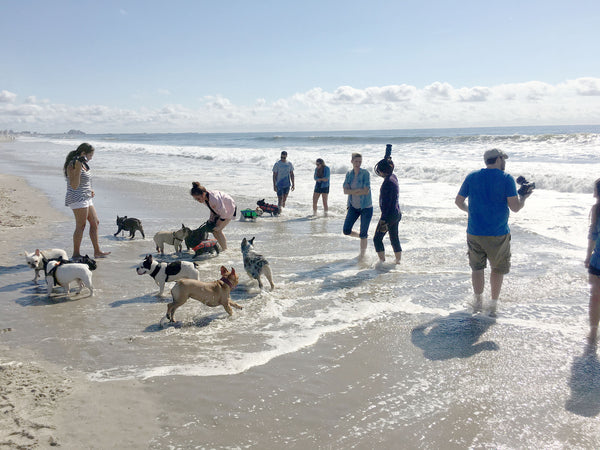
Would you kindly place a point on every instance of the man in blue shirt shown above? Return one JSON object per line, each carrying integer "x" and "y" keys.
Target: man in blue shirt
{"x": 491, "y": 193}
{"x": 283, "y": 179}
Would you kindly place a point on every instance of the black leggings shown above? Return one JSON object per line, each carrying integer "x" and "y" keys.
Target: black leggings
{"x": 393, "y": 230}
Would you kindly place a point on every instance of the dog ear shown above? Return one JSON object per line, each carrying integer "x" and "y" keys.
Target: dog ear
{"x": 232, "y": 271}
{"x": 252, "y": 240}
{"x": 244, "y": 241}
{"x": 223, "y": 270}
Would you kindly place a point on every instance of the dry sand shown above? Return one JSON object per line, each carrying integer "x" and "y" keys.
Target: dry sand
{"x": 42, "y": 405}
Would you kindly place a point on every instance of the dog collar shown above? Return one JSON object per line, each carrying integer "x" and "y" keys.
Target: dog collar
{"x": 155, "y": 271}
{"x": 227, "y": 282}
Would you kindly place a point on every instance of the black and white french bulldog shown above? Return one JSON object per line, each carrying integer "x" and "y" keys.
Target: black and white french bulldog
{"x": 63, "y": 273}
{"x": 130, "y": 224}
{"x": 35, "y": 260}
{"x": 256, "y": 264}
{"x": 163, "y": 272}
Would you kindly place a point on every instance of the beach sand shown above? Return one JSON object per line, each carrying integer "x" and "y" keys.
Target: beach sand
{"x": 398, "y": 381}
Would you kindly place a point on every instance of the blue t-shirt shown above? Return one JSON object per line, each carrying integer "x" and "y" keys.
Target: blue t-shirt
{"x": 283, "y": 170}
{"x": 487, "y": 191}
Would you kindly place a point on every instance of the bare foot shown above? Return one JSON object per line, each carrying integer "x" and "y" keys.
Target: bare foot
{"x": 101, "y": 254}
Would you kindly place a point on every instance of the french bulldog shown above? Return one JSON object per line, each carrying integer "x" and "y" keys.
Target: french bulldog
{"x": 63, "y": 273}
{"x": 130, "y": 224}
{"x": 274, "y": 210}
{"x": 211, "y": 293}
{"x": 174, "y": 238}
{"x": 256, "y": 264}
{"x": 35, "y": 260}
{"x": 163, "y": 272}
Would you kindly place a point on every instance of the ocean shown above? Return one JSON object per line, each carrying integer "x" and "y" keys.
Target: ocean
{"x": 508, "y": 382}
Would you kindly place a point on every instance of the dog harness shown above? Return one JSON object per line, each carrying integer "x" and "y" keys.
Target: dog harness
{"x": 209, "y": 243}
{"x": 267, "y": 207}
{"x": 171, "y": 269}
{"x": 227, "y": 282}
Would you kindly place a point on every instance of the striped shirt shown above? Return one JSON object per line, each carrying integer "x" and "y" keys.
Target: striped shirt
{"x": 83, "y": 191}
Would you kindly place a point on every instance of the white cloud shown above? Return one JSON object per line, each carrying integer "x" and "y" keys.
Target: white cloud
{"x": 378, "y": 107}
{"x": 7, "y": 97}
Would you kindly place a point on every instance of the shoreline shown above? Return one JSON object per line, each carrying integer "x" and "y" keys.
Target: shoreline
{"x": 39, "y": 398}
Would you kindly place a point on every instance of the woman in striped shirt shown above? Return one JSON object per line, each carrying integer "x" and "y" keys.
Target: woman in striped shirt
{"x": 79, "y": 197}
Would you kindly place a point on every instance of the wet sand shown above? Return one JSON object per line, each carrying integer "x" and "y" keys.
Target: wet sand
{"x": 407, "y": 381}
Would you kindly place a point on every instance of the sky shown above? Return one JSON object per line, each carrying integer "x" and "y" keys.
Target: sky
{"x": 283, "y": 65}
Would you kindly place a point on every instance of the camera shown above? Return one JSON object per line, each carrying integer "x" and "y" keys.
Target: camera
{"x": 388, "y": 151}
{"x": 526, "y": 186}
{"x": 386, "y": 166}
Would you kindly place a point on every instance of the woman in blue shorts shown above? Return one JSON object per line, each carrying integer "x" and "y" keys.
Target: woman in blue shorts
{"x": 322, "y": 174}
{"x": 592, "y": 262}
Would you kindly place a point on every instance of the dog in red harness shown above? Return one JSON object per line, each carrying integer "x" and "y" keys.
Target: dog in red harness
{"x": 274, "y": 210}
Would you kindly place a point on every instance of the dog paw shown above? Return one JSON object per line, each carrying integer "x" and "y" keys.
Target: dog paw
{"x": 163, "y": 322}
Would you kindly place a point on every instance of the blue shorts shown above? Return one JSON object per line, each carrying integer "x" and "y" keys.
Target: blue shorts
{"x": 321, "y": 190}
{"x": 283, "y": 191}
{"x": 594, "y": 271}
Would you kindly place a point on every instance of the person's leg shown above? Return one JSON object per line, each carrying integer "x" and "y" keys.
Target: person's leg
{"x": 496, "y": 284}
{"x": 315, "y": 201}
{"x": 478, "y": 282}
{"x": 395, "y": 240}
{"x": 219, "y": 235}
{"x": 80, "y": 219}
{"x": 365, "y": 220}
{"x": 594, "y": 309}
{"x": 378, "y": 242}
{"x": 325, "y": 205}
{"x": 92, "y": 218}
{"x": 352, "y": 216}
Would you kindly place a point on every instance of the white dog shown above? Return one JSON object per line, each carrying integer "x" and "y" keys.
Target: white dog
{"x": 35, "y": 260}
{"x": 163, "y": 272}
{"x": 174, "y": 238}
{"x": 63, "y": 273}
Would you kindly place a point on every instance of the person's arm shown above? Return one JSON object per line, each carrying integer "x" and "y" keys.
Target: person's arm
{"x": 517, "y": 202}
{"x": 461, "y": 202}
{"x": 592, "y": 236}
{"x": 275, "y": 181}
{"x": 74, "y": 174}
{"x": 292, "y": 178}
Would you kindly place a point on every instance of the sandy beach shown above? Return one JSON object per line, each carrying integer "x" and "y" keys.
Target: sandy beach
{"x": 408, "y": 376}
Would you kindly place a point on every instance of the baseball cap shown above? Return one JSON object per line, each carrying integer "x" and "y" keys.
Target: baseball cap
{"x": 494, "y": 153}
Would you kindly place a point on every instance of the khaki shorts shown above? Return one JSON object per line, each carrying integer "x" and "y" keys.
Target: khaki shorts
{"x": 494, "y": 248}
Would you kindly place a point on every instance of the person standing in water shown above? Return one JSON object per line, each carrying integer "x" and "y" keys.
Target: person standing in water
{"x": 492, "y": 194}
{"x": 283, "y": 179}
{"x": 357, "y": 186}
{"x": 322, "y": 174}
{"x": 592, "y": 263}
{"x": 79, "y": 198}
{"x": 390, "y": 208}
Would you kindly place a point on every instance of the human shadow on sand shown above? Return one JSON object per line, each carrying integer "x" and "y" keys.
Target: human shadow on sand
{"x": 454, "y": 336}
{"x": 585, "y": 384}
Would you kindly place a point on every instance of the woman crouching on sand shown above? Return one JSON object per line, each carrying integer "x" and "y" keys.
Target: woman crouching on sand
{"x": 222, "y": 209}
{"x": 79, "y": 197}
{"x": 592, "y": 262}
